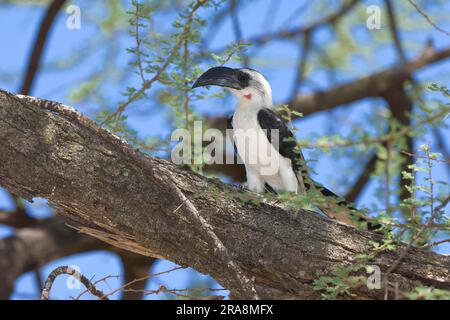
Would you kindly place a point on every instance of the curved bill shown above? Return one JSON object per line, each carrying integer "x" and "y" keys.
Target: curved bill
{"x": 219, "y": 76}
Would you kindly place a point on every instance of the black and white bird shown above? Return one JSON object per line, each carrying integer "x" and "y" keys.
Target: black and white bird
{"x": 264, "y": 142}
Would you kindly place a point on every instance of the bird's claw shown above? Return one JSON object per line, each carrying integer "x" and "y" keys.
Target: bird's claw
{"x": 242, "y": 188}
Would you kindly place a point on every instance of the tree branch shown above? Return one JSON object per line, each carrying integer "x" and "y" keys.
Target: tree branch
{"x": 16, "y": 219}
{"x": 374, "y": 85}
{"x": 430, "y": 21}
{"x": 33, "y": 247}
{"x": 134, "y": 267}
{"x": 358, "y": 187}
{"x": 70, "y": 271}
{"x": 124, "y": 198}
{"x": 295, "y": 32}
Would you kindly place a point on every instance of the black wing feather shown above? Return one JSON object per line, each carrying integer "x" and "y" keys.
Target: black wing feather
{"x": 230, "y": 122}
{"x": 269, "y": 120}
{"x": 230, "y": 126}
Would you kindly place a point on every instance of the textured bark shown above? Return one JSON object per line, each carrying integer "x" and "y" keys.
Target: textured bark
{"x": 125, "y": 198}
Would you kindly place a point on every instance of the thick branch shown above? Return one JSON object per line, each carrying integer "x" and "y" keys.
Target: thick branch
{"x": 134, "y": 267}
{"x": 288, "y": 34}
{"x": 126, "y": 199}
{"x": 374, "y": 85}
{"x": 16, "y": 219}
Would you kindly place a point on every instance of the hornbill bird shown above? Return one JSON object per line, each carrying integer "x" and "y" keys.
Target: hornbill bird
{"x": 266, "y": 145}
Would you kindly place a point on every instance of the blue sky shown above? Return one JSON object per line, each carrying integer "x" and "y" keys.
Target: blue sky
{"x": 277, "y": 61}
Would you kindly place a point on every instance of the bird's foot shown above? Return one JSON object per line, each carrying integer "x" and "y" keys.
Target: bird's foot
{"x": 242, "y": 188}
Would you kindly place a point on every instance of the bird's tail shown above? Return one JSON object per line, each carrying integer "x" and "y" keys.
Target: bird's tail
{"x": 335, "y": 206}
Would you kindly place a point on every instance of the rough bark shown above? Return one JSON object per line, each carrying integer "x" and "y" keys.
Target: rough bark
{"x": 125, "y": 198}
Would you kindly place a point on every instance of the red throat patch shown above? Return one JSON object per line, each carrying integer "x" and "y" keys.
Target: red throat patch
{"x": 248, "y": 96}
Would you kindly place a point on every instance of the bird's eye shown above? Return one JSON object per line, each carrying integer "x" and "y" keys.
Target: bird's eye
{"x": 243, "y": 78}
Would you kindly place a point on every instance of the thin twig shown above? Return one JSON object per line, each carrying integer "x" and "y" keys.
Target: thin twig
{"x": 388, "y": 176}
{"x": 423, "y": 157}
{"x": 430, "y": 180}
{"x": 180, "y": 292}
{"x": 104, "y": 279}
{"x": 418, "y": 234}
{"x": 294, "y": 32}
{"x": 436, "y": 243}
{"x": 72, "y": 272}
{"x": 237, "y": 30}
{"x": 138, "y": 45}
{"x": 419, "y": 10}
{"x": 440, "y": 140}
{"x": 296, "y": 13}
{"x": 381, "y": 139}
{"x": 141, "y": 279}
{"x": 185, "y": 77}
{"x": 148, "y": 84}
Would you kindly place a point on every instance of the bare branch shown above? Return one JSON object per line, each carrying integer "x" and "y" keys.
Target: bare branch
{"x": 430, "y": 21}
{"x": 301, "y": 69}
{"x": 395, "y": 32}
{"x": 355, "y": 191}
{"x": 39, "y": 44}
{"x": 132, "y": 283}
{"x": 34, "y": 246}
{"x": 149, "y": 83}
{"x": 294, "y": 32}
{"x": 374, "y": 85}
{"x": 134, "y": 267}
{"x": 74, "y": 273}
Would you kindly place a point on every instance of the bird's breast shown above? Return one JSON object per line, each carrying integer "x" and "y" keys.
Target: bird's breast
{"x": 252, "y": 145}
